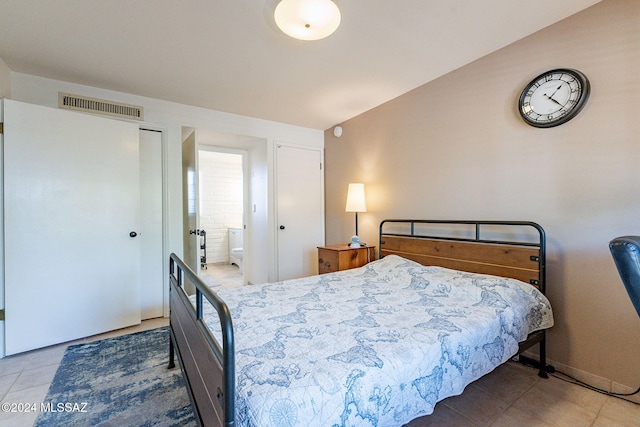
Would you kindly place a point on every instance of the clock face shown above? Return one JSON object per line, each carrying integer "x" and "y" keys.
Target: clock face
{"x": 554, "y": 97}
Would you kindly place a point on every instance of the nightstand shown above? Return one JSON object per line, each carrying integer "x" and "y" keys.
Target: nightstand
{"x": 342, "y": 257}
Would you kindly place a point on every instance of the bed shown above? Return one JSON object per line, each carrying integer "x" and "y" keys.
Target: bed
{"x": 380, "y": 345}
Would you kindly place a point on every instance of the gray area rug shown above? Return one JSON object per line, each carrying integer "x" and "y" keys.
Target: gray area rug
{"x": 122, "y": 381}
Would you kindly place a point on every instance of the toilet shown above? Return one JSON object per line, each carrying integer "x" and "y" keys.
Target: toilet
{"x": 235, "y": 248}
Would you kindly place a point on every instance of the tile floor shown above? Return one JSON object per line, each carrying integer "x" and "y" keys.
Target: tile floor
{"x": 222, "y": 276}
{"x": 512, "y": 395}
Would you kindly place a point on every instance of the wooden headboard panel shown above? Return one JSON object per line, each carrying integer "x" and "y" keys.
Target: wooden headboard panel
{"x": 513, "y": 249}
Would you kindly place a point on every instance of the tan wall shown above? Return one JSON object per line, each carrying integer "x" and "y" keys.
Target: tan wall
{"x": 456, "y": 148}
{"x": 5, "y": 80}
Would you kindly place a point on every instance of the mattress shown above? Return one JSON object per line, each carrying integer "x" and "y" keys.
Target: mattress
{"x": 378, "y": 345}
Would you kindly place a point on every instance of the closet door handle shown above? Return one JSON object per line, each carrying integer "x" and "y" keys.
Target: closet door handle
{"x": 282, "y": 227}
{"x": 133, "y": 234}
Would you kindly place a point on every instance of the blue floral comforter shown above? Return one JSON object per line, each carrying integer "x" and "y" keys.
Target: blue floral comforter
{"x": 373, "y": 346}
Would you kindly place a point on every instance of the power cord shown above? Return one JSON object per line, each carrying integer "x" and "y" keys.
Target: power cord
{"x": 551, "y": 370}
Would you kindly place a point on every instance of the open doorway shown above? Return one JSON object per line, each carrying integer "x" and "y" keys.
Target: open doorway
{"x": 221, "y": 206}
{"x": 256, "y": 235}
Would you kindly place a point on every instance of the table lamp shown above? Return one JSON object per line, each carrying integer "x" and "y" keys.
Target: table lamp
{"x": 356, "y": 203}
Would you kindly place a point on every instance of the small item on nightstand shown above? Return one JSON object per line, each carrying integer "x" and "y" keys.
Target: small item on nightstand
{"x": 355, "y": 242}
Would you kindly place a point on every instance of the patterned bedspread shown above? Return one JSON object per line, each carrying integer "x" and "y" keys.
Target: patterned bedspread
{"x": 373, "y": 346}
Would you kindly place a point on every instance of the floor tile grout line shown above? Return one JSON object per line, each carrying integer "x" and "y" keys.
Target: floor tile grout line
{"x": 11, "y": 386}
{"x": 520, "y": 396}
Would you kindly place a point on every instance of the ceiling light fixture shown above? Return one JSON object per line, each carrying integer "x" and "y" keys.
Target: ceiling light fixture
{"x": 307, "y": 19}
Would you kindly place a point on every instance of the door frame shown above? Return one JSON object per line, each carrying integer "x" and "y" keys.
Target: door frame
{"x": 2, "y": 305}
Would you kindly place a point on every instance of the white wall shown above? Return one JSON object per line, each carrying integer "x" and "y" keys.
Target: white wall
{"x": 258, "y": 218}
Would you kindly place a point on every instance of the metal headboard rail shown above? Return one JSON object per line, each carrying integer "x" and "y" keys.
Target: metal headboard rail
{"x": 540, "y": 244}
{"x": 225, "y": 355}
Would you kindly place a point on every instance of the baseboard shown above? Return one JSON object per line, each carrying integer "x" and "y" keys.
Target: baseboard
{"x": 587, "y": 377}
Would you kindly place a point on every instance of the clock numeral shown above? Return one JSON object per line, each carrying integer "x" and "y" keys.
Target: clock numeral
{"x": 527, "y": 109}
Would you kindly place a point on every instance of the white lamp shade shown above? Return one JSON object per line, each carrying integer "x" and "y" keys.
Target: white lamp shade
{"x": 355, "y": 198}
{"x": 307, "y": 19}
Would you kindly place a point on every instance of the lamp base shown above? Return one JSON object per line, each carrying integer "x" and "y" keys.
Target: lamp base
{"x": 355, "y": 242}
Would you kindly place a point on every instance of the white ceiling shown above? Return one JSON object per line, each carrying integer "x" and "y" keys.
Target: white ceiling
{"x": 227, "y": 55}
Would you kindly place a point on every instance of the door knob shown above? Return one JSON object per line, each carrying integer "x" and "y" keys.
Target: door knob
{"x": 282, "y": 227}
{"x": 133, "y": 234}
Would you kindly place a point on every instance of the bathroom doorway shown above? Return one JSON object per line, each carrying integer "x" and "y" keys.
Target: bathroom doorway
{"x": 221, "y": 204}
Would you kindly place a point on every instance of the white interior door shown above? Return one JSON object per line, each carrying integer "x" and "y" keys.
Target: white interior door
{"x": 151, "y": 258}
{"x": 300, "y": 210}
{"x": 71, "y": 188}
{"x": 191, "y": 220}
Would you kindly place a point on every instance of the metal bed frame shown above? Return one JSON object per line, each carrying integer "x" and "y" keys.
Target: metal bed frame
{"x": 209, "y": 369}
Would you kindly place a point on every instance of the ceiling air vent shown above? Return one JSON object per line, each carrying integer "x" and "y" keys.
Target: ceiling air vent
{"x": 100, "y": 106}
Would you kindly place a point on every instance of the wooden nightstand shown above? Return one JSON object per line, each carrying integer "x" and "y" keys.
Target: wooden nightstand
{"x": 342, "y": 257}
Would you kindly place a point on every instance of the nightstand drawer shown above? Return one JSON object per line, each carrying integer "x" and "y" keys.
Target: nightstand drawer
{"x": 342, "y": 257}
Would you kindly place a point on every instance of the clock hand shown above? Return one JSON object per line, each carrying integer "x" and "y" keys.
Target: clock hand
{"x": 554, "y": 92}
{"x": 551, "y": 97}
{"x": 555, "y": 101}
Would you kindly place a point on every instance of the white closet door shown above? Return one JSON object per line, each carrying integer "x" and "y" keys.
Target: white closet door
{"x": 71, "y": 187}
{"x": 152, "y": 261}
{"x": 300, "y": 210}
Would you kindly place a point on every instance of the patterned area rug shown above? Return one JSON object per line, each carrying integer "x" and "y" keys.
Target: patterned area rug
{"x": 121, "y": 381}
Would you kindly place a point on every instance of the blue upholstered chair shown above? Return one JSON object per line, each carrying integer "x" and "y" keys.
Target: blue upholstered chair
{"x": 626, "y": 254}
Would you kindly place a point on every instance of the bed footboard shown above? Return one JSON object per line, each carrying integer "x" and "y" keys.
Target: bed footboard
{"x": 208, "y": 368}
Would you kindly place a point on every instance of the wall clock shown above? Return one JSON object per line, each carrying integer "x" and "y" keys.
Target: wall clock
{"x": 554, "y": 97}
